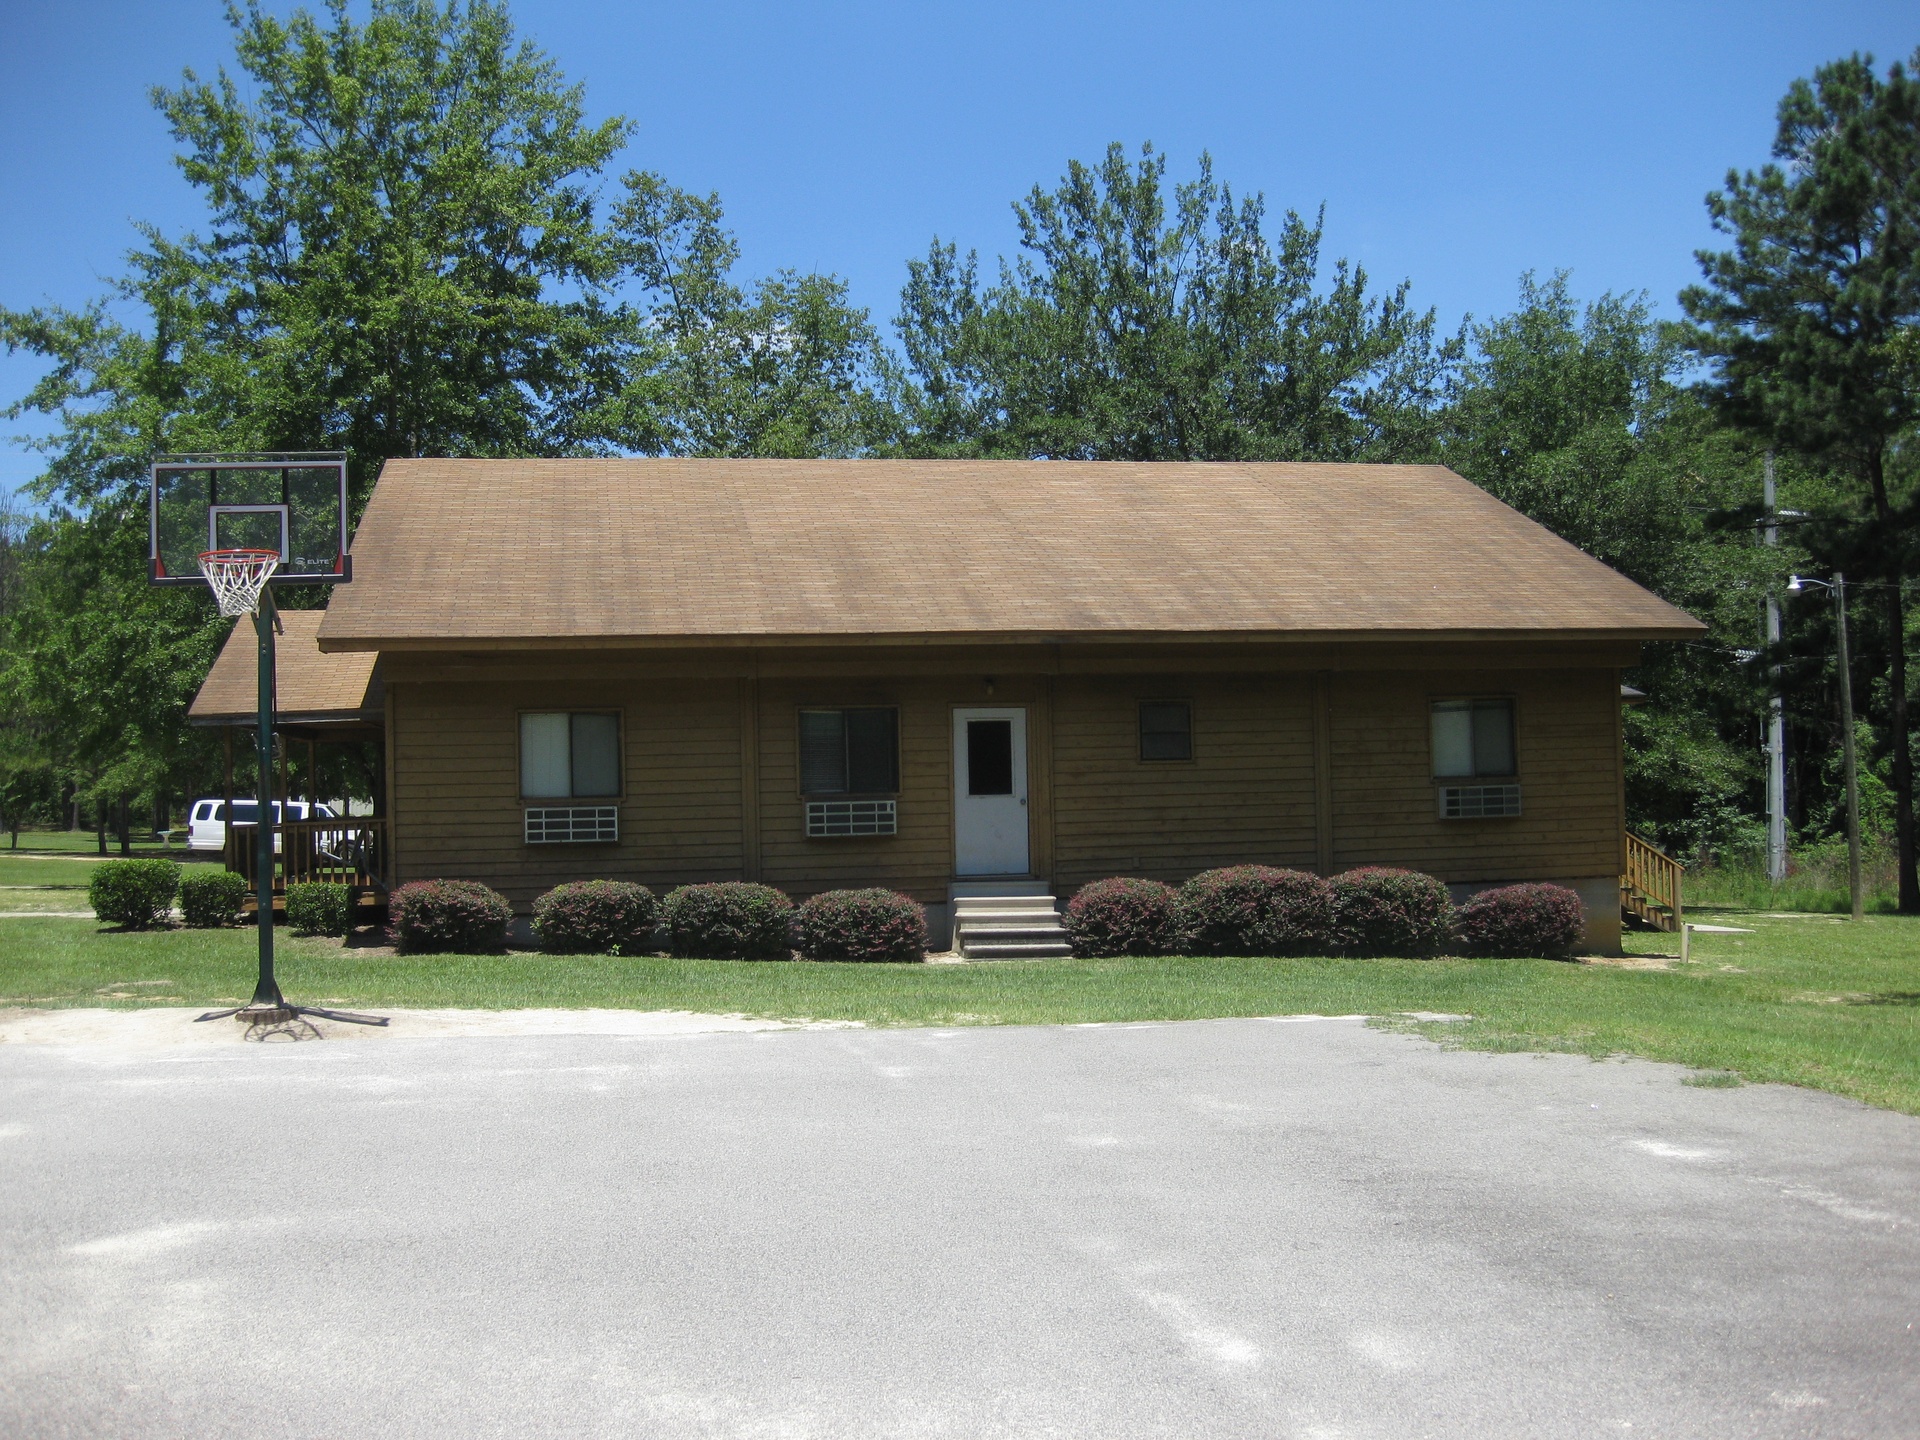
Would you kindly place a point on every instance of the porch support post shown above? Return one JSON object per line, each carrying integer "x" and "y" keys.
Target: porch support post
{"x": 229, "y": 853}
{"x": 750, "y": 778}
{"x": 389, "y": 791}
{"x": 1323, "y": 773}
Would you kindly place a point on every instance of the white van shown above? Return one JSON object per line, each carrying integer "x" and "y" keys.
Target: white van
{"x": 207, "y": 820}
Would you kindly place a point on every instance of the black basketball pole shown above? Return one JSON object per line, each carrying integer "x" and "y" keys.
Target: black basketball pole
{"x": 266, "y": 990}
{"x": 269, "y": 1006}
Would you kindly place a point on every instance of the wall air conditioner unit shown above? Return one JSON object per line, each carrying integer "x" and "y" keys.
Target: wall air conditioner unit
{"x": 1479, "y": 802}
{"x": 572, "y": 824}
{"x": 830, "y": 819}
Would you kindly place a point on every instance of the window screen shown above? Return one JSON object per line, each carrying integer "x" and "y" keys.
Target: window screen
{"x": 596, "y": 754}
{"x": 849, "y": 752}
{"x": 565, "y": 755}
{"x": 1472, "y": 738}
{"x": 1166, "y": 730}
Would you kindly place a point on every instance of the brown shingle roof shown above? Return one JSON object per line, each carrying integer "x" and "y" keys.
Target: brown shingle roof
{"x": 604, "y": 551}
{"x": 311, "y": 686}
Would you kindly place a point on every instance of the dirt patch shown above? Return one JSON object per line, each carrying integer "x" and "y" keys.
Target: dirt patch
{"x": 162, "y": 1027}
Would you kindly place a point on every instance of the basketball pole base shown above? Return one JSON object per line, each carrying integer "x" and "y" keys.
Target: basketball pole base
{"x": 256, "y": 1014}
{"x": 269, "y": 1007}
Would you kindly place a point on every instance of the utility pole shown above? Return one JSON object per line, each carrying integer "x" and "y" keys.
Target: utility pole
{"x": 1776, "y": 713}
{"x": 1837, "y": 587}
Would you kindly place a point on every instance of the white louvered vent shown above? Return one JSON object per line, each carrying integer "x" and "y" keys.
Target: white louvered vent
{"x": 572, "y": 824}
{"x": 1479, "y": 802}
{"x": 827, "y": 819}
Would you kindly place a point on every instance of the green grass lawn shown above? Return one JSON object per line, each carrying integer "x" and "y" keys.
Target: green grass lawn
{"x": 49, "y": 869}
{"x": 1805, "y": 1000}
{"x": 49, "y": 874}
{"x": 83, "y": 842}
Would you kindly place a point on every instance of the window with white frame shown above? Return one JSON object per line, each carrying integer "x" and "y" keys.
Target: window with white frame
{"x": 569, "y": 755}
{"x": 1473, "y": 739}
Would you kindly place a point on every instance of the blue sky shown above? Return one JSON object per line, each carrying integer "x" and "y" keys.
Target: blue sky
{"x": 1453, "y": 145}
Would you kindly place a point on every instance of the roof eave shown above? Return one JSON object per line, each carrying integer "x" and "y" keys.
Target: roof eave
{"x": 343, "y": 644}
{"x": 227, "y": 719}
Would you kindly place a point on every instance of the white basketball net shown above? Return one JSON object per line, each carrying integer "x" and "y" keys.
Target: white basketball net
{"x": 238, "y": 576}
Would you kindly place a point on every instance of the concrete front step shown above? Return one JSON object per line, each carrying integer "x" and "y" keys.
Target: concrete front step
{"x": 1007, "y": 920}
{"x": 1004, "y": 941}
{"x": 984, "y": 939}
{"x": 1014, "y": 949}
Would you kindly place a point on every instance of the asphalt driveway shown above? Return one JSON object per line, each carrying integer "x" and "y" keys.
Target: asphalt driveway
{"x": 1235, "y": 1228}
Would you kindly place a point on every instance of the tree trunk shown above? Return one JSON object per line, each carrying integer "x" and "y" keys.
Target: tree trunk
{"x": 1896, "y": 622}
{"x": 1902, "y": 752}
{"x": 125, "y": 826}
{"x": 100, "y": 826}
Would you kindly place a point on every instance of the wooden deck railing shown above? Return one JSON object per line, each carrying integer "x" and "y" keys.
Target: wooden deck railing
{"x": 1650, "y": 888}
{"x": 337, "y": 852}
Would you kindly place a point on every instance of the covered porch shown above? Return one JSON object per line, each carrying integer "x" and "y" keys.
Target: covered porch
{"x": 322, "y": 701}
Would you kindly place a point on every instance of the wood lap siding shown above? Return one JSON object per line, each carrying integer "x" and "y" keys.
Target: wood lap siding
{"x": 1246, "y": 796}
{"x": 458, "y": 811}
{"x": 1384, "y": 801}
{"x": 919, "y": 859}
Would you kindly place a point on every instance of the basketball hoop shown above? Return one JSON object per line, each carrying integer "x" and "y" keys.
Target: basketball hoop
{"x": 237, "y": 577}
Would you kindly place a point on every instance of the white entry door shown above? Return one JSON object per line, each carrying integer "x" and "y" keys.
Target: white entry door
{"x": 990, "y": 792}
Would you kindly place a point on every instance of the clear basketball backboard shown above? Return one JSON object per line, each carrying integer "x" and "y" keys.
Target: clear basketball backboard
{"x": 295, "y": 504}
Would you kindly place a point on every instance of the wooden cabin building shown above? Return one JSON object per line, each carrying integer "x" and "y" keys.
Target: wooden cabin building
{"x": 954, "y": 677}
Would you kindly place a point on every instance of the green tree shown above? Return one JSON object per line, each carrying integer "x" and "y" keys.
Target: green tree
{"x": 1808, "y": 323}
{"x": 788, "y": 367}
{"x": 401, "y": 241}
{"x": 1577, "y": 417}
{"x": 401, "y": 256}
{"x": 393, "y": 207}
{"x": 97, "y": 667}
{"x": 1131, "y": 329}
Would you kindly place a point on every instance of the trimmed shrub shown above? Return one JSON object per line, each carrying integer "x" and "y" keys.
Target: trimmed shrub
{"x": 135, "y": 893}
{"x": 463, "y": 915}
{"x": 1256, "y": 910}
{"x": 1521, "y": 921}
{"x": 210, "y": 898}
{"x": 861, "y": 925}
{"x": 1379, "y": 911}
{"x": 317, "y": 908}
{"x": 596, "y": 917}
{"x": 731, "y": 920}
{"x": 1124, "y": 917}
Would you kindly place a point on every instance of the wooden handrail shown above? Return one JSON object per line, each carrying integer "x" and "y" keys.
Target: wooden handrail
{"x": 1650, "y": 887}
{"x": 346, "y": 851}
